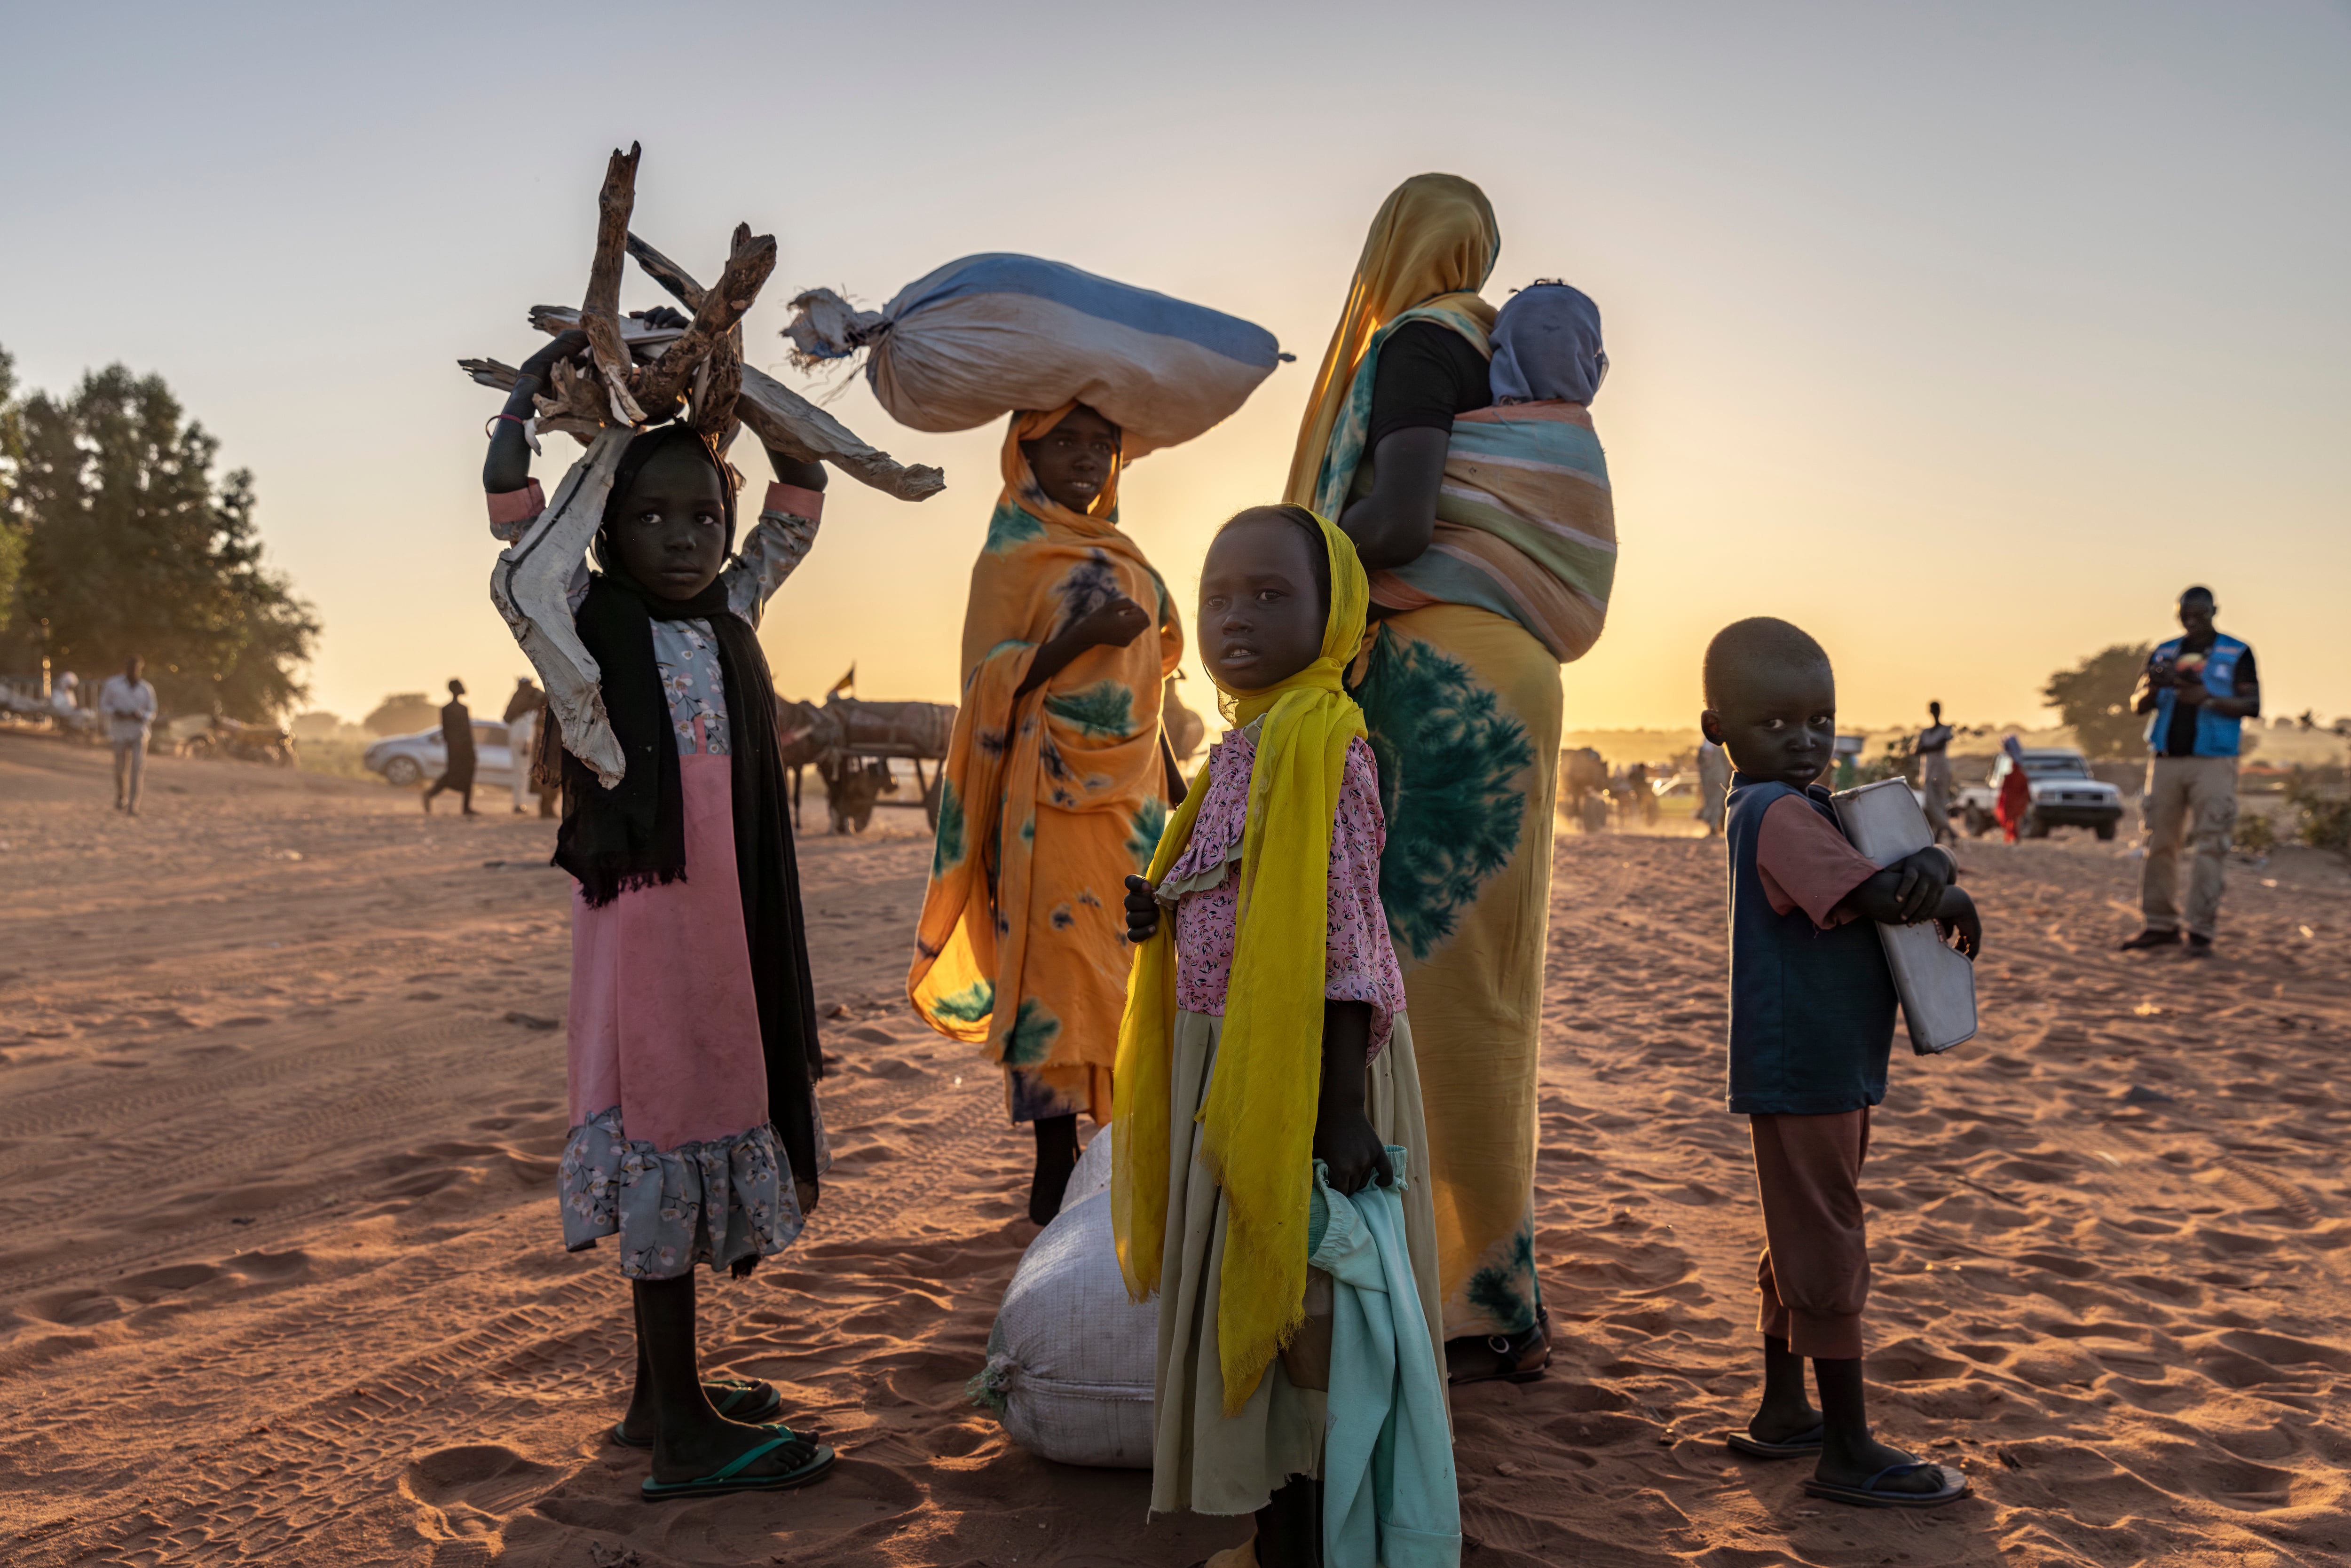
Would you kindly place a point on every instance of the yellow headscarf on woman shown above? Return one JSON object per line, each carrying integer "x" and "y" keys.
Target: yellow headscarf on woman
{"x": 1258, "y": 1119}
{"x": 1433, "y": 242}
{"x": 1020, "y": 486}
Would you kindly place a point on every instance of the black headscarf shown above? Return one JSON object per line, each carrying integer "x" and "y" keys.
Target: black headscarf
{"x": 633, "y": 834}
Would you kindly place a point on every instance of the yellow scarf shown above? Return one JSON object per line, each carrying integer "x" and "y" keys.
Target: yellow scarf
{"x": 1433, "y": 243}
{"x": 1259, "y": 1115}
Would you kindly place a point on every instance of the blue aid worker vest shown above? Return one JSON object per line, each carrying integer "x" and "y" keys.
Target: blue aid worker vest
{"x": 1812, "y": 1011}
{"x": 2216, "y": 736}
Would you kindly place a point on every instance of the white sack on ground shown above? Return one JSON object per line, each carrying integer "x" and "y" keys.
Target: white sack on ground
{"x": 1072, "y": 1362}
{"x": 989, "y": 334}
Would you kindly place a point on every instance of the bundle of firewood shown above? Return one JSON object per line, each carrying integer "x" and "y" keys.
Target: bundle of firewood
{"x": 639, "y": 374}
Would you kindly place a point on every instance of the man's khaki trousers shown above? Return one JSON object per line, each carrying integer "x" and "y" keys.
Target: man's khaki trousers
{"x": 2190, "y": 800}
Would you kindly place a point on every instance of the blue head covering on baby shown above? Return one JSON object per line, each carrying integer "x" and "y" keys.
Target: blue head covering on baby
{"x": 1547, "y": 345}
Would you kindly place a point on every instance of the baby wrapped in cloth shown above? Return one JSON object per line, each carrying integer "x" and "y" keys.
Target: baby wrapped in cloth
{"x": 1526, "y": 525}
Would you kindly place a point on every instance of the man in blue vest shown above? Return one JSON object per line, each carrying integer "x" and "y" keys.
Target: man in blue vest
{"x": 2198, "y": 689}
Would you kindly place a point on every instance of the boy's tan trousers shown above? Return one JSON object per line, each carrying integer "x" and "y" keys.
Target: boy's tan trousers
{"x": 1813, "y": 1275}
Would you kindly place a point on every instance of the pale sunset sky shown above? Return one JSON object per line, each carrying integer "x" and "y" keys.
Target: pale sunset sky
{"x": 1963, "y": 335}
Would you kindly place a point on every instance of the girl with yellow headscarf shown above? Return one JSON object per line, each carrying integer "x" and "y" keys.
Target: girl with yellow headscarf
{"x": 1054, "y": 789}
{"x": 1264, "y": 1030}
{"x": 1461, "y": 701}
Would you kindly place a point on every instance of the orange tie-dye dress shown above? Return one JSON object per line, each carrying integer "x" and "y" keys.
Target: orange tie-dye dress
{"x": 1050, "y": 802}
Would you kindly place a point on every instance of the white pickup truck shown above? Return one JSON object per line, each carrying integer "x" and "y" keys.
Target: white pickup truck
{"x": 2065, "y": 794}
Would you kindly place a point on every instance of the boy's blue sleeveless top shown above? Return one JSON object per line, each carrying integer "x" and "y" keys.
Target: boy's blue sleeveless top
{"x": 1812, "y": 1011}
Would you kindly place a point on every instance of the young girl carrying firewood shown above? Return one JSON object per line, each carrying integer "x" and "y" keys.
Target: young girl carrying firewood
{"x": 693, "y": 1047}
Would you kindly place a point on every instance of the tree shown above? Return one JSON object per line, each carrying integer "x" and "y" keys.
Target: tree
{"x": 402, "y": 713}
{"x": 129, "y": 546}
{"x": 12, "y": 459}
{"x": 2095, "y": 699}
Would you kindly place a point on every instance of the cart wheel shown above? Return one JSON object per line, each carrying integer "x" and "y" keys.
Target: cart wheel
{"x": 931, "y": 793}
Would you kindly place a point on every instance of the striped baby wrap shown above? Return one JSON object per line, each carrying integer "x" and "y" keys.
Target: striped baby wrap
{"x": 1526, "y": 525}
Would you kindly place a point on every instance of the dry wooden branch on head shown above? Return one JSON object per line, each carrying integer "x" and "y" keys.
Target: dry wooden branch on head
{"x": 640, "y": 370}
{"x": 574, "y": 404}
{"x": 791, "y": 425}
{"x": 720, "y": 379}
{"x": 492, "y": 373}
{"x": 668, "y": 273}
{"x": 748, "y": 262}
{"x": 599, "y": 312}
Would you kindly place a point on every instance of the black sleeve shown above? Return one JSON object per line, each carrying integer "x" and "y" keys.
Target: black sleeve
{"x": 1427, "y": 374}
{"x": 2248, "y": 678}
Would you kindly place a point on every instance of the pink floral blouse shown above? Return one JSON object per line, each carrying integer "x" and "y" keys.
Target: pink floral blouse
{"x": 1202, "y": 888}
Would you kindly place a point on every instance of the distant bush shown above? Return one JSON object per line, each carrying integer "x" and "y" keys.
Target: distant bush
{"x": 2094, "y": 698}
{"x": 2254, "y": 834}
{"x": 402, "y": 713}
{"x": 338, "y": 758}
{"x": 2321, "y": 820}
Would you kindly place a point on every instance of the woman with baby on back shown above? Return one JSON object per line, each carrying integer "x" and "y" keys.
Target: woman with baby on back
{"x": 1265, "y": 1082}
{"x": 693, "y": 1048}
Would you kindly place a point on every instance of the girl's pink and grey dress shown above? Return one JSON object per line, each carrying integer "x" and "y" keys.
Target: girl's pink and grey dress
{"x": 671, "y": 1149}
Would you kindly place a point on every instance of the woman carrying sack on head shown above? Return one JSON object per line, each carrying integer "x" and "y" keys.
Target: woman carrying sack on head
{"x": 1456, "y": 451}
{"x": 1055, "y": 790}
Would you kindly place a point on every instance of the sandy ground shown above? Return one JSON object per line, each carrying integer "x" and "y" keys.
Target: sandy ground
{"x": 281, "y": 1094}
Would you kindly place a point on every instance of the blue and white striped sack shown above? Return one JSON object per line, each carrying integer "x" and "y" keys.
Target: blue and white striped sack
{"x": 990, "y": 334}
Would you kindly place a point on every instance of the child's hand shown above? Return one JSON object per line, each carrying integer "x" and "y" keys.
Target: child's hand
{"x": 1905, "y": 893}
{"x": 1112, "y": 624}
{"x": 1924, "y": 876}
{"x": 1345, "y": 1142}
{"x": 1344, "y": 1137}
{"x": 1142, "y": 912}
{"x": 1956, "y": 912}
{"x": 565, "y": 346}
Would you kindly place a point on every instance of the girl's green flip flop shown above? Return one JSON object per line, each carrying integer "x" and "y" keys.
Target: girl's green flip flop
{"x": 809, "y": 1430}
{"x": 729, "y": 1477}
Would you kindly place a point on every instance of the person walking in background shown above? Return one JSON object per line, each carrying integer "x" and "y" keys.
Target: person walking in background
{"x": 126, "y": 704}
{"x": 1639, "y": 792}
{"x": 2015, "y": 792}
{"x": 457, "y": 740}
{"x": 522, "y": 741}
{"x": 1935, "y": 773}
{"x": 2198, "y": 689}
{"x": 1713, "y": 783}
{"x": 523, "y": 714}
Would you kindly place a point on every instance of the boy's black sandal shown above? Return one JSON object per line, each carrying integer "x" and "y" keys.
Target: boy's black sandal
{"x": 1802, "y": 1445}
{"x": 1866, "y": 1495}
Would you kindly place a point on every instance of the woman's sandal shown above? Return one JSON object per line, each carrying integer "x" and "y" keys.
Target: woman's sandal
{"x": 1801, "y": 1446}
{"x": 1866, "y": 1495}
{"x": 1516, "y": 1358}
{"x": 729, "y": 1477}
{"x": 744, "y": 1399}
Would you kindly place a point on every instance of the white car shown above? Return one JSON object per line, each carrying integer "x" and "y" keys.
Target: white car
{"x": 410, "y": 759}
{"x": 2066, "y": 794}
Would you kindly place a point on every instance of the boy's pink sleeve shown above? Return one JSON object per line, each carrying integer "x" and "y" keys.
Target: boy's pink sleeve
{"x": 1805, "y": 863}
{"x": 1359, "y": 961}
{"x": 511, "y": 511}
